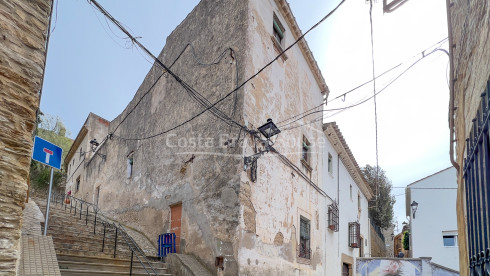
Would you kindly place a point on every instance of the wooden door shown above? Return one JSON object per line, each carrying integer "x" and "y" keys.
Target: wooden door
{"x": 175, "y": 223}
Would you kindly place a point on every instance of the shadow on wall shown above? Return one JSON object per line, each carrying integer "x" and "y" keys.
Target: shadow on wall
{"x": 406, "y": 267}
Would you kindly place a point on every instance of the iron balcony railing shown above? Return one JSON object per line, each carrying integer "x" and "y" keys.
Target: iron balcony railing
{"x": 78, "y": 206}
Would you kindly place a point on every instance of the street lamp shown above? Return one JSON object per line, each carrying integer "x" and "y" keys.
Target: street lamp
{"x": 269, "y": 129}
{"x": 414, "y": 206}
{"x": 93, "y": 147}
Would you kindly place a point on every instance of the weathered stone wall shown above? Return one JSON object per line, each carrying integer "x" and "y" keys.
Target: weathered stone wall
{"x": 23, "y": 29}
{"x": 378, "y": 247}
{"x": 469, "y": 25}
{"x": 193, "y": 164}
{"x": 273, "y": 205}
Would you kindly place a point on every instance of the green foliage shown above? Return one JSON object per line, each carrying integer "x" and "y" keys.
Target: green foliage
{"x": 406, "y": 240}
{"x": 380, "y": 208}
{"x": 53, "y": 130}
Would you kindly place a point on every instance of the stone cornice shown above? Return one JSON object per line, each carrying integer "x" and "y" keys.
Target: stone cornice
{"x": 337, "y": 140}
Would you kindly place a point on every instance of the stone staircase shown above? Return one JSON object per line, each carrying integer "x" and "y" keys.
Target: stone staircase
{"x": 81, "y": 252}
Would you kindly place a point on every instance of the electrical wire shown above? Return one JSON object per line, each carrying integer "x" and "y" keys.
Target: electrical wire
{"x": 374, "y": 97}
{"x": 188, "y": 87}
{"x": 367, "y": 99}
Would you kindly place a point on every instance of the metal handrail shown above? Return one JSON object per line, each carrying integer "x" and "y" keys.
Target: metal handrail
{"x": 103, "y": 219}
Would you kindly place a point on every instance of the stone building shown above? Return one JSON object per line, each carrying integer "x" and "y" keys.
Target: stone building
{"x": 81, "y": 153}
{"x": 24, "y": 29}
{"x": 468, "y": 28}
{"x": 266, "y": 217}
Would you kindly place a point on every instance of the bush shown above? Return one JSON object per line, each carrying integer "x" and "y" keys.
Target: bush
{"x": 406, "y": 240}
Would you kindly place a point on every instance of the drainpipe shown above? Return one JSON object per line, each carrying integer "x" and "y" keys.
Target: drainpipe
{"x": 452, "y": 108}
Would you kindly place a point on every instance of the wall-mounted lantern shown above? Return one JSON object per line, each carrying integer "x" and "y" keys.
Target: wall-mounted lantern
{"x": 269, "y": 129}
{"x": 93, "y": 147}
{"x": 414, "y": 206}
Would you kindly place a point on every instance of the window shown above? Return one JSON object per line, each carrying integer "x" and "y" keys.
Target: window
{"x": 278, "y": 30}
{"x": 77, "y": 186}
{"x": 73, "y": 161}
{"x": 304, "y": 238}
{"x": 354, "y": 234}
{"x": 359, "y": 202}
{"x": 80, "y": 157}
{"x": 330, "y": 165}
{"x": 333, "y": 217}
{"x": 305, "y": 150}
{"x": 450, "y": 238}
{"x": 130, "y": 164}
{"x": 350, "y": 191}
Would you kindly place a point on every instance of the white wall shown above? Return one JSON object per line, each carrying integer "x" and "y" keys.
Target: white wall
{"x": 337, "y": 184}
{"x": 436, "y": 213}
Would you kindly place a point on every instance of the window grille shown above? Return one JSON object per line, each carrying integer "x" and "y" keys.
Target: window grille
{"x": 476, "y": 174}
{"x": 304, "y": 239}
{"x": 333, "y": 217}
{"x": 354, "y": 234}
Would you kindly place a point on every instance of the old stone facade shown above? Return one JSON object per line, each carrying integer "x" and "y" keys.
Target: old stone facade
{"x": 267, "y": 218}
{"x": 23, "y": 39}
{"x": 469, "y": 25}
{"x": 80, "y": 154}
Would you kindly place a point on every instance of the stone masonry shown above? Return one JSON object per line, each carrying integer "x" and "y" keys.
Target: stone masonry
{"x": 469, "y": 38}
{"x": 23, "y": 29}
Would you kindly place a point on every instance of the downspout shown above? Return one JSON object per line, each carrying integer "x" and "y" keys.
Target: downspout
{"x": 338, "y": 200}
{"x": 452, "y": 108}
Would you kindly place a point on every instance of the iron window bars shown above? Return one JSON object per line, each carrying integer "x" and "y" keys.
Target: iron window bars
{"x": 333, "y": 217}
{"x": 304, "y": 239}
{"x": 354, "y": 234}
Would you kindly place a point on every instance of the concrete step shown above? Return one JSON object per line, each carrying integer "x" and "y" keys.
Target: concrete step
{"x": 74, "y": 272}
{"x": 107, "y": 253}
{"x": 137, "y": 267}
{"x": 103, "y": 260}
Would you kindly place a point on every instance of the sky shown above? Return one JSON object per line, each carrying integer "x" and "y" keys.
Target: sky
{"x": 92, "y": 68}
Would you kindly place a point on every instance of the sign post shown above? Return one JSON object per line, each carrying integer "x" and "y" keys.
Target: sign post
{"x": 48, "y": 154}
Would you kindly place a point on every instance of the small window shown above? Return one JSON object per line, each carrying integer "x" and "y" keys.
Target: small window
{"x": 278, "y": 30}
{"x": 330, "y": 165}
{"x": 305, "y": 156}
{"x": 73, "y": 161}
{"x": 359, "y": 202}
{"x": 77, "y": 187}
{"x": 333, "y": 217}
{"x": 449, "y": 240}
{"x": 304, "y": 238}
{"x": 354, "y": 234}
{"x": 350, "y": 191}
{"x": 80, "y": 157}
{"x": 130, "y": 164}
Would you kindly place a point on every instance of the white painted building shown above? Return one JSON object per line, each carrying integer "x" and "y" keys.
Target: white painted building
{"x": 343, "y": 181}
{"x": 433, "y": 224}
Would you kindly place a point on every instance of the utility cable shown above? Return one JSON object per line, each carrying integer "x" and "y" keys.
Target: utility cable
{"x": 374, "y": 97}
{"x": 180, "y": 81}
{"x": 367, "y": 99}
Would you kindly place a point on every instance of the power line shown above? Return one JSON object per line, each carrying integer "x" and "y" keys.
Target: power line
{"x": 187, "y": 86}
{"x": 367, "y": 99}
{"x": 363, "y": 84}
{"x": 374, "y": 97}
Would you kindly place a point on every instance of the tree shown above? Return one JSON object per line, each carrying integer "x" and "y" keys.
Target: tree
{"x": 381, "y": 206}
{"x": 51, "y": 129}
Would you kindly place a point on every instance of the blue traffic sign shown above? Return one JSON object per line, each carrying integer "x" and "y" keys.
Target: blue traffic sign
{"x": 47, "y": 153}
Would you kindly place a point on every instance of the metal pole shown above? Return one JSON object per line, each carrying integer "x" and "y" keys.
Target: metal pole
{"x": 47, "y": 205}
{"x": 131, "y": 265}
{"x": 115, "y": 244}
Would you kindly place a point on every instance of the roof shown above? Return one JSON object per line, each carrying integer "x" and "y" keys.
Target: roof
{"x": 429, "y": 176}
{"x": 303, "y": 45}
{"x": 335, "y": 136}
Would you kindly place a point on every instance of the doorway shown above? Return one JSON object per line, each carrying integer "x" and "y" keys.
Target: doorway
{"x": 345, "y": 269}
{"x": 97, "y": 193}
{"x": 175, "y": 223}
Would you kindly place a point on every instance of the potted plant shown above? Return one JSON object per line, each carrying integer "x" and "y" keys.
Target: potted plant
{"x": 331, "y": 227}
